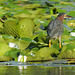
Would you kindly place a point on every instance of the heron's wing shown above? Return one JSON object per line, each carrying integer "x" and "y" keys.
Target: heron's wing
{"x": 50, "y": 27}
{"x": 55, "y": 27}
{"x": 56, "y": 31}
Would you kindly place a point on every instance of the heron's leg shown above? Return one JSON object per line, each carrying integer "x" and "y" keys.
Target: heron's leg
{"x": 49, "y": 42}
{"x": 59, "y": 41}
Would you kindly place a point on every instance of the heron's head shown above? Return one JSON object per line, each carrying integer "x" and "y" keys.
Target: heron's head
{"x": 61, "y": 16}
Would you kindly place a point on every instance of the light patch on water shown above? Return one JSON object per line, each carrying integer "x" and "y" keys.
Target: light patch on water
{"x": 22, "y": 67}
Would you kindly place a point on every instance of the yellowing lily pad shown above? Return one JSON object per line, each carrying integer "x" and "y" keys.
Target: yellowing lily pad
{"x": 26, "y": 27}
{"x": 31, "y": 6}
{"x": 22, "y": 15}
{"x": 71, "y": 23}
{"x": 65, "y": 3}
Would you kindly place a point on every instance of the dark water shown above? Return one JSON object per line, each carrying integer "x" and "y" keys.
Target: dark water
{"x": 36, "y": 69}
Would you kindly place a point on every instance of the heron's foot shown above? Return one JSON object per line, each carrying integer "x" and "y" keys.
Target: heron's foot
{"x": 59, "y": 46}
{"x": 49, "y": 44}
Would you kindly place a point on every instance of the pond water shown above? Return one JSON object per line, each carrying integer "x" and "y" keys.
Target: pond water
{"x": 45, "y": 68}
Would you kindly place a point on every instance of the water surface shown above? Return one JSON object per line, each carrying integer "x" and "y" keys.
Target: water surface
{"x": 45, "y": 68}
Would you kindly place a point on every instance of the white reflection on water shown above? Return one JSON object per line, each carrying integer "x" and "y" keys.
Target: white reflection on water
{"x": 21, "y": 69}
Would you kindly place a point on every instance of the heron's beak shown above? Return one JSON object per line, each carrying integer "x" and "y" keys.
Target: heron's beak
{"x": 67, "y": 16}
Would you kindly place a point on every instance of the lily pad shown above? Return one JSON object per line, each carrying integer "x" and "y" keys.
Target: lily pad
{"x": 10, "y": 27}
{"x": 47, "y": 16}
{"x": 3, "y": 48}
{"x": 23, "y": 43}
{"x": 5, "y": 58}
{"x": 68, "y": 51}
{"x": 71, "y": 23}
{"x": 45, "y": 53}
{"x": 55, "y": 0}
{"x": 43, "y": 22}
{"x": 71, "y": 13}
{"x": 31, "y": 6}
{"x": 12, "y": 53}
{"x": 65, "y": 3}
{"x": 26, "y": 27}
{"x": 22, "y": 15}
{"x": 60, "y": 10}
{"x": 1, "y": 25}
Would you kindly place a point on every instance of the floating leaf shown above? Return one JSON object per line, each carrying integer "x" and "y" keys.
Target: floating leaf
{"x": 5, "y": 58}
{"x": 22, "y": 15}
{"x": 26, "y": 27}
{"x": 3, "y": 48}
{"x": 43, "y": 22}
{"x": 65, "y": 3}
{"x": 55, "y": 0}
{"x": 23, "y": 43}
{"x": 60, "y": 10}
{"x": 68, "y": 51}
{"x": 12, "y": 53}
{"x": 47, "y": 16}
{"x": 69, "y": 29}
{"x": 1, "y": 25}
{"x": 71, "y": 13}
{"x": 7, "y": 36}
{"x": 31, "y": 6}
{"x": 45, "y": 53}
{"x": 1, "y": 15}
{"x": 71, "y": 23}
{"x": 29, "y": 40}
{"x": 10, "y": 27}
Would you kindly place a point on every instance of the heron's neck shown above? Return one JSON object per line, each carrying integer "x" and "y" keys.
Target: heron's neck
{"x": 61, "y": 18}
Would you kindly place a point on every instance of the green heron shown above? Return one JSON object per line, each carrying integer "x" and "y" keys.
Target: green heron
{"x": 55, "y": 28}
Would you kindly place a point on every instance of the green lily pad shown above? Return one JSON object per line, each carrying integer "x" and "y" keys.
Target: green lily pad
{"x": 65, "y": 3}
{"x": 45, "y": 53}
{"x": 1, "y": 15}
{"x": 23, "y": 43}
{"x": 60, "y": 10}
{"x": 22, "y": 15}
{"x": 71, "y": 23}
{"x": 68, "y": 51}
{"x": 47, "y": 16}
{"x": 3, "y": 48}
{"x": 1, "y": 25}
{"x": 26, "y": 27}
{"x": 42, "y": 36}
{"x": 66, "y": 35}
{"x": 2, "y": 40}
{"x": 37, "y": 12}
{"x": 12, "y": 53}
{"x": 5, "y": 58}
{"x": 10, "y": 27}
{"x": 43, "y": 22}
{"x": 55, "y": 0}
{"x": 71, "y": 13}
{"x": 31, "y": 6}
